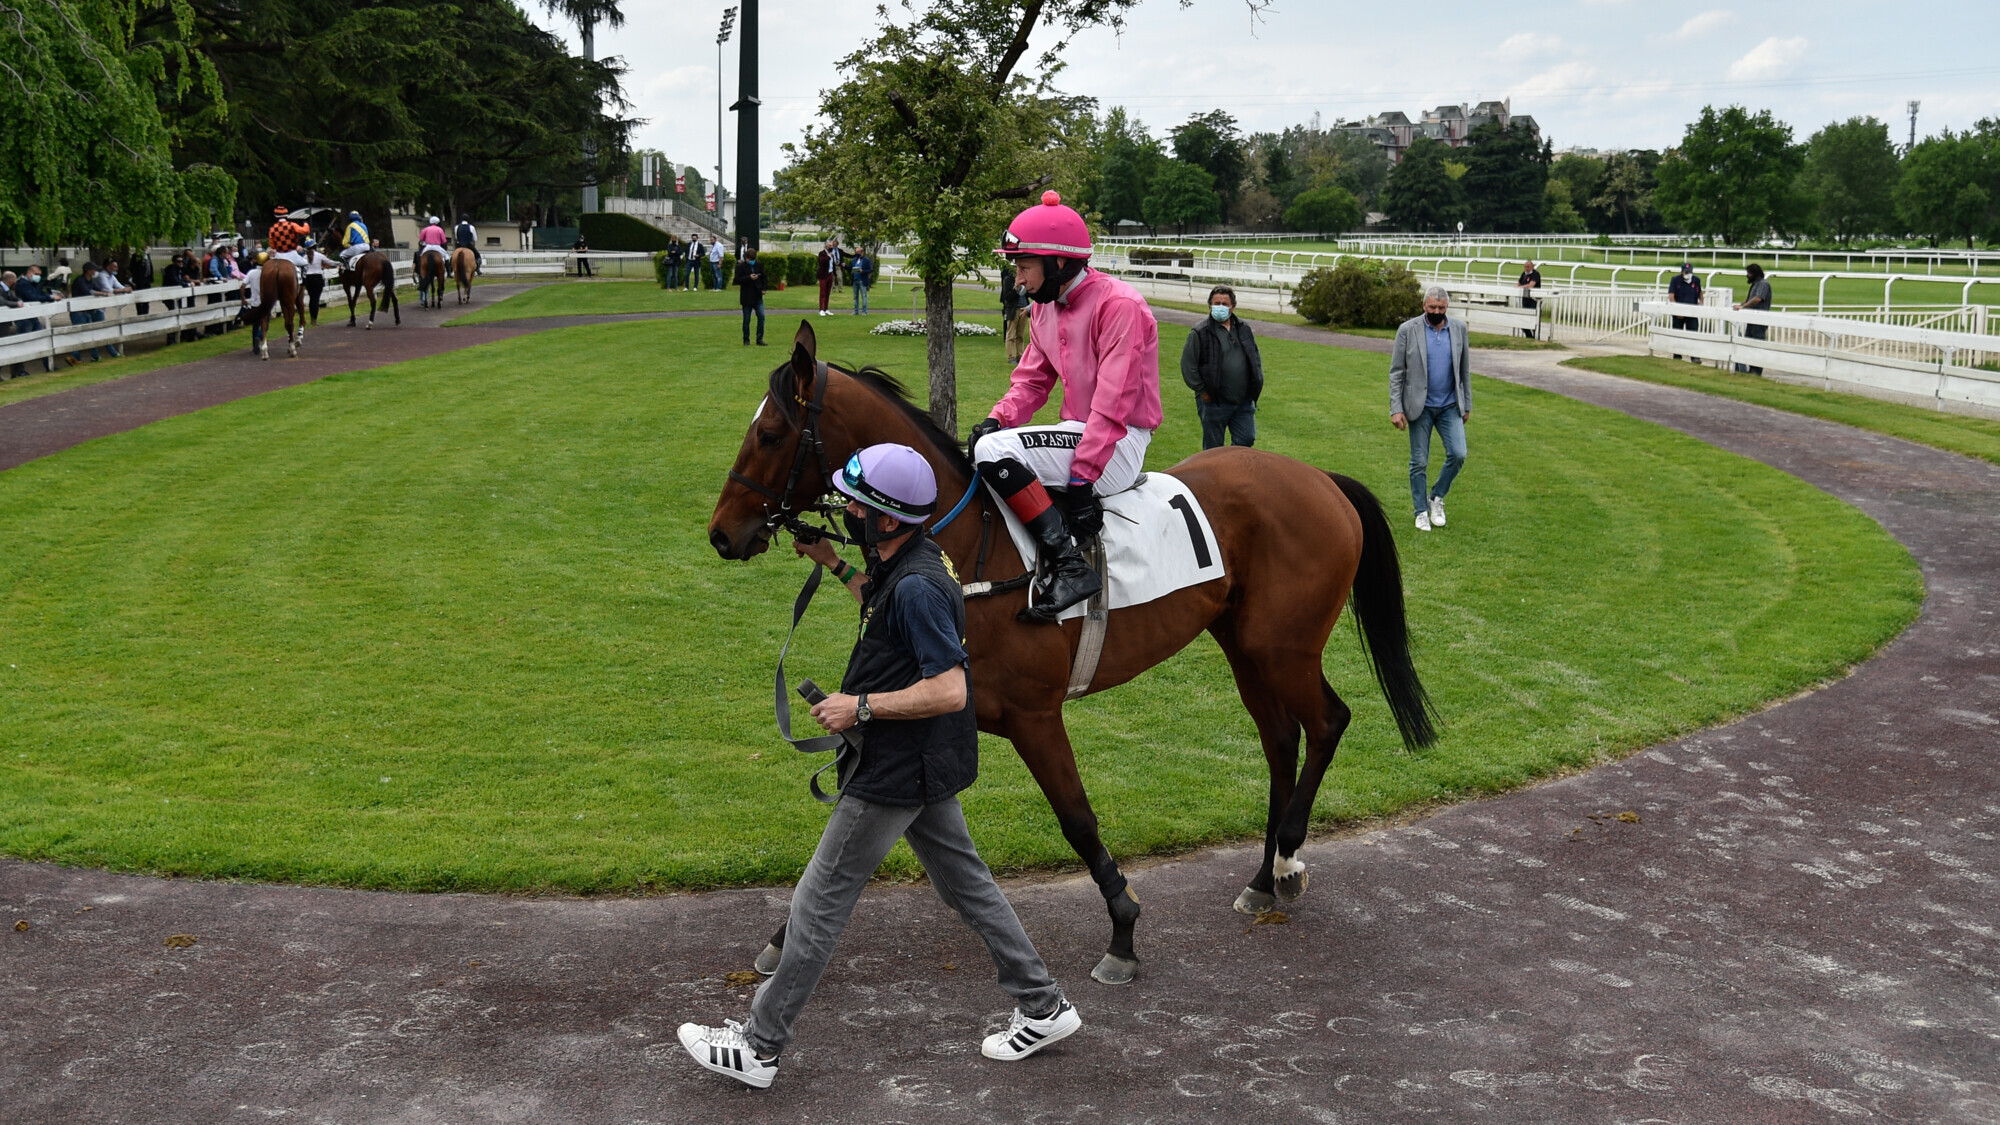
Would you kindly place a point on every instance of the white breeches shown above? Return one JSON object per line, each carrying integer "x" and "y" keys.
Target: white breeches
{"x": 1048, "y": 450}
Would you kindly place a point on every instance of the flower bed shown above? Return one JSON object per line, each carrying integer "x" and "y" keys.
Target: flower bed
{"x": 916, "y": 328}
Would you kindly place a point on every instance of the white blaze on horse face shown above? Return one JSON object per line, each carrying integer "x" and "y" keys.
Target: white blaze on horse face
{"x": 759, "y": 416}
{"x": 1284, "y": 867}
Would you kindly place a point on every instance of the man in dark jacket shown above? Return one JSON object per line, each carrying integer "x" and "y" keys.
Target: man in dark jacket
{"x": 827, "y": 272}
{"x": 1685, "y": 289}
{"x": 1221, "y": 365}
{"x": 907, "y": 693}
{"x": 750, "y": 293}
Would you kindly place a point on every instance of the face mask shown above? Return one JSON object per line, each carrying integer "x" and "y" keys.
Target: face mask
{"x": 1219, "y": 312}
{"x": 857, "y": 530}
{"x": 1687, "y": 273}
{"x": 1056, "y": 273}
{"x": 1435, "y": 319}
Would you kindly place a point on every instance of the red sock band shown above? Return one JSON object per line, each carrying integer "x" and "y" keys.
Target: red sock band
{"x": 1030, "y": 502}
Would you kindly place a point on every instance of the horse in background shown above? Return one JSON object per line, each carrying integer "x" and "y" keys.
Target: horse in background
{"x": 430, "y": 280}
{"x": 279, "y": 288}
{"x": 463, "y": 263}
{"x": 364, "y": 275}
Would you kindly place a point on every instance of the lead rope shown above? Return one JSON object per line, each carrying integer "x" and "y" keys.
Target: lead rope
{"x": 848, "y": 744}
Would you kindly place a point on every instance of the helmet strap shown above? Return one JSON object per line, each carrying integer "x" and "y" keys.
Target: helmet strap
{"x": 1056, "y": 273}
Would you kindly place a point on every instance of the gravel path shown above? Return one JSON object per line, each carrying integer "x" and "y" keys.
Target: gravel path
{"x": 1796, "y": 923}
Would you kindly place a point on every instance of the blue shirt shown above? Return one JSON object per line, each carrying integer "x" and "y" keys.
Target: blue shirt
{"x": 1442, "y": 389}
{"x": 923, "y": 621}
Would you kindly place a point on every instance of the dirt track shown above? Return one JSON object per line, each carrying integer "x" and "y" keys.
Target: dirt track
{"x": 1800, "y": 925}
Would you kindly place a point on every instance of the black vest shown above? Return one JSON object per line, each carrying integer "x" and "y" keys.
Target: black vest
{"x": 908, "y": 761}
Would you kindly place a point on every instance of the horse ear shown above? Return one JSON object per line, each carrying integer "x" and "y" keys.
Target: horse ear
{"x": 805, "y": 348}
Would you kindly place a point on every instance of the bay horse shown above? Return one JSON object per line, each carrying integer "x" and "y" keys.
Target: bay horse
{"x": 430, "y": 279}
{"x": 279, "y": 288}
{"x": 1296, "y": 542}
{"x": 364, "y": 275}
{"x": 463, "y": 262}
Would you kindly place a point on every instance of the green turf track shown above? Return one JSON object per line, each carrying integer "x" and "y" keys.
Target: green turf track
{"x": 454, "y": 624}
{"x": 601, "y": 297}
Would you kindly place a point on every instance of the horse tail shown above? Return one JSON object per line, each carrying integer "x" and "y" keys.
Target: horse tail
{"x": 1378, "y": 614}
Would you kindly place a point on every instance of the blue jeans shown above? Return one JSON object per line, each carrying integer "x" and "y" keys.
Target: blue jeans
{"x": 89, "y": 316}
{"x": 715, "y": 273}
{"x": 1239, "y": 419}
{"x": 1450, "y": 426}
{"x": 860, "y": 298}
{"x": 757, "y": 308}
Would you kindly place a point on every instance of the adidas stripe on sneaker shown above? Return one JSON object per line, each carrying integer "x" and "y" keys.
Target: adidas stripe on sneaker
{"x": 1025, "y": 1036}
{"x": 725, "y": 1051}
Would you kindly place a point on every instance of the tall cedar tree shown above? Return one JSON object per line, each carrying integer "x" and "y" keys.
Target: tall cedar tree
{"x": 1421, "y": 194}
{"x": 1506, "y": 178}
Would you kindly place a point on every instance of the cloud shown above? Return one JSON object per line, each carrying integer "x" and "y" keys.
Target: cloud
{"x": 1700, "y": 25}
{"x": 1527, "y": 44}
{"x": 1769, "y": 59}
{"x": 1562, "y": 81}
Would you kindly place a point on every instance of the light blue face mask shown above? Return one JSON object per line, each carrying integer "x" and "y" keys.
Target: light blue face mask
{"x": 1219, "y": 312}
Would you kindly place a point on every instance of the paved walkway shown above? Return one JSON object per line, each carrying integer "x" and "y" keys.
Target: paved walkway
{"x": 1797, "y": 924}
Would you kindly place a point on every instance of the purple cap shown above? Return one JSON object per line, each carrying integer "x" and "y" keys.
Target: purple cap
{"x": 893, "y": 479}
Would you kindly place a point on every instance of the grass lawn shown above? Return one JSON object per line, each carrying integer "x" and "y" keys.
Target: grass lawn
{"x": 1959, "y": 433}
{"x": 454, "y": 624}
{"x": 144, "y": 356}
{"x": 605, "y": 297}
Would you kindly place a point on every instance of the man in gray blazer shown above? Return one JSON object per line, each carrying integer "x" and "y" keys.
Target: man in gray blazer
{"x": 1431, "y": 389}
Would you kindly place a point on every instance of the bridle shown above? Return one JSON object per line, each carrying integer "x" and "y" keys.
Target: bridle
{"x": 811, "y": 446}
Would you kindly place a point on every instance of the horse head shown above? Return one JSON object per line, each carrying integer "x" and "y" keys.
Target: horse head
{"x": 782, "y": 467}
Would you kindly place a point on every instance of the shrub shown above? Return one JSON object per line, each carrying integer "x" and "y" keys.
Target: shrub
{"x": 1359, "y": 293}
{"x": 660, "y": 268}
{"x": 804, "y": 267}
{"x": 1329, "y": 208}
{"x": 612, "y": 230}
{"x": 775, "y": 263}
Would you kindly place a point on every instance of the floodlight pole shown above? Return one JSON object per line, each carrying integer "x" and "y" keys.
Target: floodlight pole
{"x": 588, "y": 28}
{"x": 1913, "y": 124}
{"x": 748, "y": 201}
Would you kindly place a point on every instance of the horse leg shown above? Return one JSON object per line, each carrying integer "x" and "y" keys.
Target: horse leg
{"x": 1324, "y": 725}
{"x": 351, "y": 298}
{"x": 370, "y": 326}
{"x": 291, "y": 335}
{"x": 389, "y": 297}
{"x": 1043, "y": 744}
{"x": 1279, "y": 733}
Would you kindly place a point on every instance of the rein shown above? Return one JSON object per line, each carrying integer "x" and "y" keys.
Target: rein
{"x": 811, "y": 446}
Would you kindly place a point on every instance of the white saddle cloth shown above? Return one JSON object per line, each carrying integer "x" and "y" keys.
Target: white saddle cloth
{"x": 1156, "y": 541}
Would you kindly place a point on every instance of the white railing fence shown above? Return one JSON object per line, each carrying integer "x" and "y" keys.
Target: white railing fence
{"x": 167, "y": 311}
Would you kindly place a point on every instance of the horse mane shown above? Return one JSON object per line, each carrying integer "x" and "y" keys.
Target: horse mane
{"x": 890, "y": 390}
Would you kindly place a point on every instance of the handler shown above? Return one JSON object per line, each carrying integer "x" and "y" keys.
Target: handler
{"x": 1095, "y": 335}
{"x": 907, "y": 692}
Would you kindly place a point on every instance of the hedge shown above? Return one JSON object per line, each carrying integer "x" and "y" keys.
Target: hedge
{"x": 1362, "y": 293}
{"x": 705, "y": 282}
{"x": 611, "y": 230}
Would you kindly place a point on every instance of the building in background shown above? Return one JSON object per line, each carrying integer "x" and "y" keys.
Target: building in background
{"x": 1452, "y": 124}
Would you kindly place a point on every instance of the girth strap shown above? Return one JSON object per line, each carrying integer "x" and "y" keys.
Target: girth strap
{"x": 1090, "y": 648}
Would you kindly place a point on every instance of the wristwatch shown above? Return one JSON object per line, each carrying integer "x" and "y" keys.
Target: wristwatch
{"x": 861, "y": 712}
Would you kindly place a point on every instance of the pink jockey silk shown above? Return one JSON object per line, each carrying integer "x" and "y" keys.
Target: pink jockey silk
{"x": 431, "y": 236}
{"x": 1101, "y": 341}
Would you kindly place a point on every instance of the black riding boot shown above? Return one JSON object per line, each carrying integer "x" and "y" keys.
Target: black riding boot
{"x": 1067, "y": 578}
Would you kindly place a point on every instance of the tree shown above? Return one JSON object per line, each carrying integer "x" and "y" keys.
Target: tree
{"x": 1128, "y": 157}
{"x": 1421, "y": 194}
{"x": 1942, "y": 193}
{"x": 1562, "y": 215}
{"x": 1330, "y": 209}
{"x": 1182, "y": 194}
{"x": 1733, "y": 177}
{"x": 1851, "y": 172}
{"x": 1505, "y": 178}
{"x": 933, "y": 138}
{"x": 1577, "y": 178}
{"x": 1625, "y": 192}
{"x": 1210, "y": 141}
{"x": 86, "y": 157}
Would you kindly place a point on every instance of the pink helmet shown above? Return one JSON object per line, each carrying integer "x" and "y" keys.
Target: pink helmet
{"x": 1050, "y": 228}
{"x": 892, "y": 479}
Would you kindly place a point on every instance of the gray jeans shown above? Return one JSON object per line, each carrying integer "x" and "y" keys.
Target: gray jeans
{"x": 855, "y": 843}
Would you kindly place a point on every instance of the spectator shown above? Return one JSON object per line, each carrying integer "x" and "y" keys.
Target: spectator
{"x": 219, "y": 267}
{"x": 109, "y": 284}
{"x": 692, "y": 278}
{"x": 715, "y": 253}
{"x": 139, "y": 274}
{"x": 1757, "y": 300}
{"x": 674, "y": 258}
{"x": 582, "y": 257}
{"x": 316, "y": 265}
{"x": 829, "y": 261}
{"x": 1529, "y": 281}
{"x": 1430, "y": 388}
{"x": 84, "y": 287}
{"x": 174, "y": 276}
{"x": 9, "y": 301}
{"x": 1013, "y": 314}
{"x": 29, "y": 290}
{"x": 864, "y": 276}
{"x": 1221, "y": 365}
{"x": 750, "y": 294}
{"x": 1685, "y": 289}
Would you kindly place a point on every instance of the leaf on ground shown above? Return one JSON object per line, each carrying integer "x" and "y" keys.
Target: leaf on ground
{"x": 21, "y": 926}
{"x": 178, "y": 941}
{"x": 951, "y": 967}
{"x": 1629, "y": 817}
{"x": 740, "y": 979}
{"x": 1272, "y": 918}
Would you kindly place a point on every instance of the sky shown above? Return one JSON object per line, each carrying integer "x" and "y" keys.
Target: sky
{"x": 1604, "y": 74}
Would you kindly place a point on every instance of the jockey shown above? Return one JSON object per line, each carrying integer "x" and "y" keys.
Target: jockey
{"x": 467, "y": 236}
{"x": 431, "y": 240}
{"x": 287, "y": 237}
{"x": 354, "y": 242}
{"x": 1095, "y": 335}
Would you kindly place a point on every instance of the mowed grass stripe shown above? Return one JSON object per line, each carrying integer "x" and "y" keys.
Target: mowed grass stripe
{"x": 484, "y": 577}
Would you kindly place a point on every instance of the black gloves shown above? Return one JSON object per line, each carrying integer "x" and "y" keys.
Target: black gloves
{"x": 979, "y": 430}
{"x": 1086, "y": 515}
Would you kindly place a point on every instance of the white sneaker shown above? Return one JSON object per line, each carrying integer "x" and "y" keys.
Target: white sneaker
{"x": 1437, "y": 511}
{"x": 1423, "y": 521}
{"x": 725, "y": 1051}
{"x": 1024, "y": 1036}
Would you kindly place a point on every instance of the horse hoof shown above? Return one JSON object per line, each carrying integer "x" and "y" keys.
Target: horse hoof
{"x": 767, "y": 961}
{"x": 1291, "y": 886}
{"x": 1115, "y": 970}
{"x": 1254, "y": 901}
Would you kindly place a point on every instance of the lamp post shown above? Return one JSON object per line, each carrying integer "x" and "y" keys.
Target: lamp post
{"x": 721, "y": 37}
{"x": 748, "y": 203}
{"x": 588, "y": 29}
